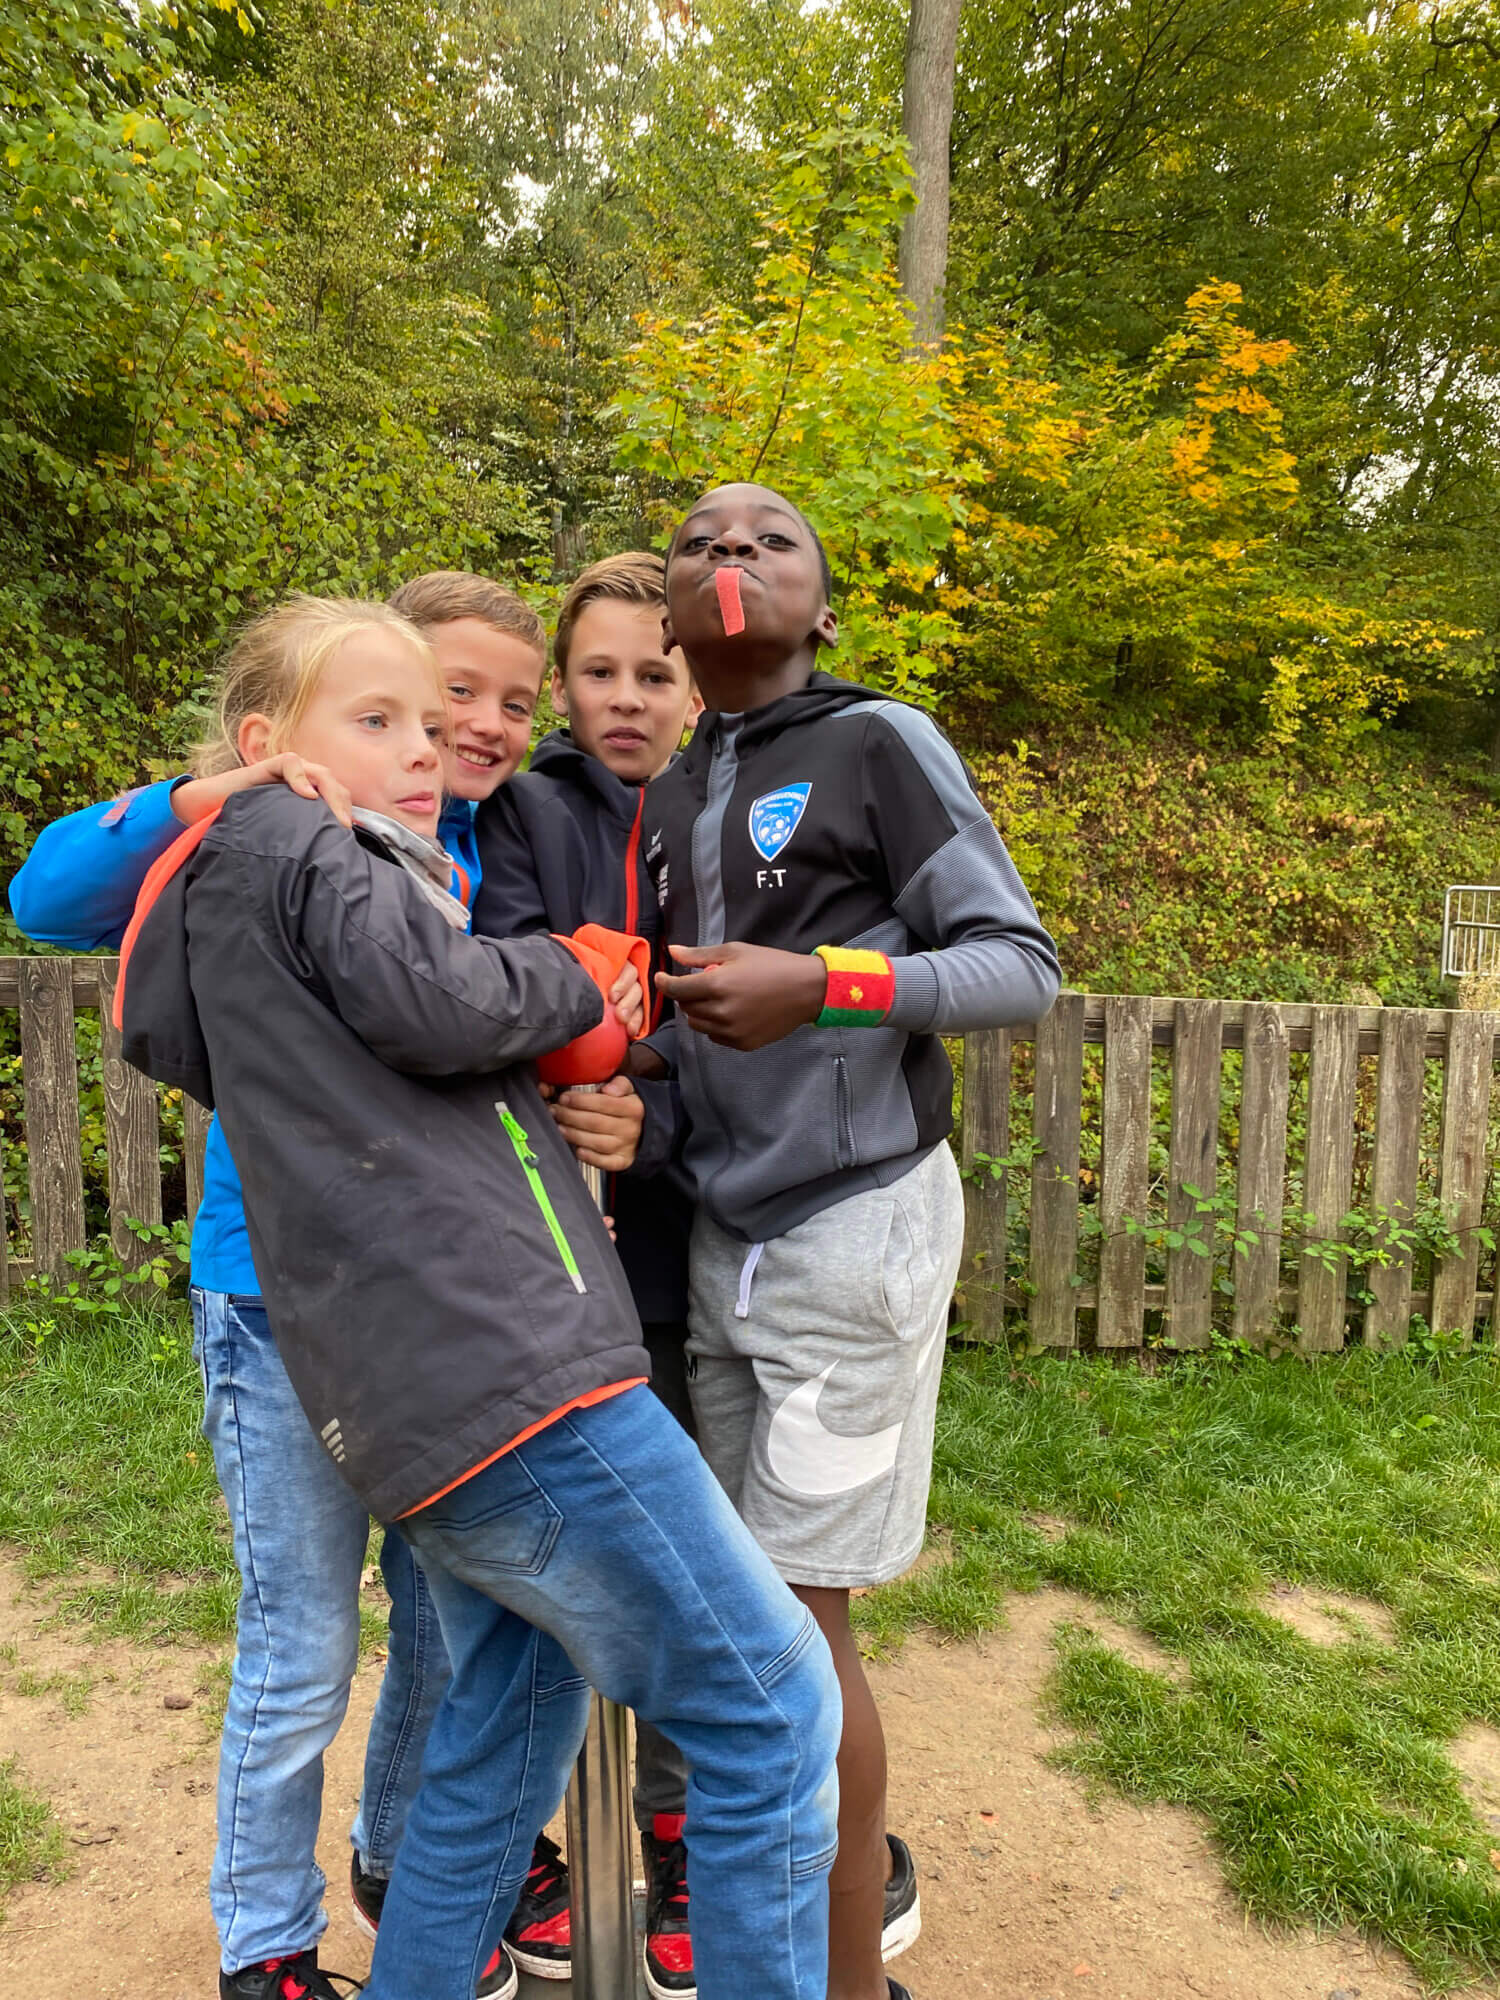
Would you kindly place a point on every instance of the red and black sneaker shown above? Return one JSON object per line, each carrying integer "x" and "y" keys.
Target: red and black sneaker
{"x": 499, "y": 1980}
{"x": 669, "y": 1944}
{"x": 294, "y": 1978}
{"x": 540, "y": 1935}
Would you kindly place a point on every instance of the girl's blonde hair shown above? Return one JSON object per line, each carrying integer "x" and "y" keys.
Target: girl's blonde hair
{"x": 275, "y": 664}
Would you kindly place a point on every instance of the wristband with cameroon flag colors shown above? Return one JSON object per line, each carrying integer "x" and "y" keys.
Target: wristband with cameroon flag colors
{"x": 861, "y": 987}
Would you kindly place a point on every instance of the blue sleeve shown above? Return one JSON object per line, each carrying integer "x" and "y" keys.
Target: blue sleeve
{"x": 77, "y": 887}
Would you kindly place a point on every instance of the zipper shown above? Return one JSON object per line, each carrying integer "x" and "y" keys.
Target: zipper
{"x": 843, "y": 1111}
{"x": 632, "y": 868}
{"x": 516, "y": 1133}
{"x": 706, "y": 852}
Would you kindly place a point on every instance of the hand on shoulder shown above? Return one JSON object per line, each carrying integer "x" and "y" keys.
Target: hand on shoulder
{"x": 200, "y": 796}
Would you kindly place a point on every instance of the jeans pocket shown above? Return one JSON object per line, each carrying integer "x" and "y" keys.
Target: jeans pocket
{"x": 496, "y": 1534}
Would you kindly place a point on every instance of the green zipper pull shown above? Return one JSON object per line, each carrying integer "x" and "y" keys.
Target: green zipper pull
{"x": 516, "y": 1133}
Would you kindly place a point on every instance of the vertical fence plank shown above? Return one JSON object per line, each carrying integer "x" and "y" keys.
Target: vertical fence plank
{"x": 133, "y": 1125}
{"x": 1196, "y": 1072}
{"x": 1264, "y": 1096}
{"x": 1328, "y": 1174}
{"x": 1393, "y": 1180}
{"x": 1466, "y": 1111}
{"x": 986, "y": 1129}
{"x": 49, "y": 1069}
{"x": 1057, "y": 1117}
{"x": 1123, "y": 1177}
{"x": 194, "y": 1133}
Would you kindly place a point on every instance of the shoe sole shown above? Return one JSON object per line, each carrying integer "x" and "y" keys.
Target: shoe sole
{"x": 540, "y": 1968}
{"x": 660, "y": 1992}
{"x": 361, "y": 1921}
{"x": 509, "y": 1990}
{"x": 902, "y": 1932}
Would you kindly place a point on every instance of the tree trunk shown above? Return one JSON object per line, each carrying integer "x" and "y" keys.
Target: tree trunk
{"x": 927, "y": 120}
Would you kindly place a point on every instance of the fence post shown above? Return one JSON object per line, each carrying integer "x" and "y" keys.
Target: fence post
{"x": 1328, "y": 1175}
{"x": 1197, "y": 1070}
{"x": 132, "y": 1120}
{"x": 49, "y": 1070}
{"x": 985, "y": 1129}
{"x": 1123, "y": 1171}
{"x": 1054, "y": 1174}
{"x": 1466, "y": 1111}
{"x": 1393, "y": 1180}
{"x": 1265, "y": 1093}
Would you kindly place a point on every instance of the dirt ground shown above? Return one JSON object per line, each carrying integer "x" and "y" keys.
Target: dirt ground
{"x": 1029, "y": 1890}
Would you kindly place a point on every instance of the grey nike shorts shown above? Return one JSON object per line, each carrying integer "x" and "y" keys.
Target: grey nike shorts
{"x": 814, "y": 1361}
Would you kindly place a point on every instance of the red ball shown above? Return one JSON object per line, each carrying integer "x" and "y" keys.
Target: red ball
{"x": 593, "y": 1057}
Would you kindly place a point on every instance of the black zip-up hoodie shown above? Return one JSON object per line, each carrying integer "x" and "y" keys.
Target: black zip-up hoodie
{"x": 560, "y": 846}
{"x": 436, "y": 1276}
{"x": 837, "y": 816}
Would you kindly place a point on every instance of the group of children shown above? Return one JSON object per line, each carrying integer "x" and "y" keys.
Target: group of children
{"x": 355, "y": 932}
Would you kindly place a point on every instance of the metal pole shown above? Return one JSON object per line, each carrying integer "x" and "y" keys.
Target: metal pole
{"x": 599, "y": 1859}
{"x": 600, "y": 1831}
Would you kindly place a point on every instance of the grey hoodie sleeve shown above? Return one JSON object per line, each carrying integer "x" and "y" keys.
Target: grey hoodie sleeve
{"x": 426, "y": 999}
{"x": 988, "y": 963}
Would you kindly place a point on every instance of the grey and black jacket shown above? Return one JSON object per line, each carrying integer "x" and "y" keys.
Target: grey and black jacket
{"x": 560, "y": 846}
{"x": 836, "y": 816}
{"x": 436, "y": 1276}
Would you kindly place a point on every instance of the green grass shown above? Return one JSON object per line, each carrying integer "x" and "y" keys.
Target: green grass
{"x": 106, "y": 1485}
{"x": 105, "y": 1482}
{"x": 31, "y": 1843}
{"x": 1184, "y": 1494}
{"x": 1322, "y": 1771}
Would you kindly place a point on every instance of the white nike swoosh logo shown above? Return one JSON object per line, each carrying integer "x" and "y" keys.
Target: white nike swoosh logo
{"x": 809, "y": 1458}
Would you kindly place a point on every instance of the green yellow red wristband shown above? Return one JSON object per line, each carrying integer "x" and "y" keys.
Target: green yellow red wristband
{"x": 861, "y": 987}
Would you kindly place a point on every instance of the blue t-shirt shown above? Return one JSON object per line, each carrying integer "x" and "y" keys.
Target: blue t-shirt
{"x": 77, "y": 889}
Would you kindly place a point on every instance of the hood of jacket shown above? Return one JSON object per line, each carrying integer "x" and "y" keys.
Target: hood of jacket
{"x": 559, "y": 758}
{"x": 823, "y": 695}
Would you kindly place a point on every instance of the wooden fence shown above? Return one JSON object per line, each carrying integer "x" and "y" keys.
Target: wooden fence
{"x": 1067, "y": 1249}
{"x": 1289, "y": 1281}
{"x": 49, "y": 992}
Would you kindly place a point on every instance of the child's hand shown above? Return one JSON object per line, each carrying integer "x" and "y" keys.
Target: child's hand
{"x": 602, "y": 1126}
{"x": 199, "y": 796}
{"x": 746, "y": 995}
{"x": 628, "y": 1001}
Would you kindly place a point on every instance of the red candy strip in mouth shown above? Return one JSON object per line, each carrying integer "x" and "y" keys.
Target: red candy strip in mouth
{"x": 727, "y": 584}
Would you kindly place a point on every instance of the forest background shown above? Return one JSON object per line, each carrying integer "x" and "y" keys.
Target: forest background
{"x": 1182, "y": 515}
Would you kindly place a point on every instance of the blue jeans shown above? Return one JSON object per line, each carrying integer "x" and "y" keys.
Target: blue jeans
{"x": 602, "y": 1551}
{"x": 299, "y": 1537}
{"x": 416, "y": 1674}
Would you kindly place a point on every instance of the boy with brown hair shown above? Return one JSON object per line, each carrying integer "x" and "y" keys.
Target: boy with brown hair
{"x": 560, "y": 846}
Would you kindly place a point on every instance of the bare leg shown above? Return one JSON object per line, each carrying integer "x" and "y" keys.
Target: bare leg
{"x": 856, "y": 1887}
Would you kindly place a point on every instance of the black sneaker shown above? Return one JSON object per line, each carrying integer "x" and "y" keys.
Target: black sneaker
{"x": 540, "y": 1933}
{"x": 669, "y": 1944}
{"x": 896, "y": 1992}
{"x": 902, "y": 1925}
{"x": 500, "y": 1980}
{"x": 367, "y": 1892}
{"x": 295, "y": 1978}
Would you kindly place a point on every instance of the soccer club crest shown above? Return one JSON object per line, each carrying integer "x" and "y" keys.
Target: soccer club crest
{"x": 775, "y": 817}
